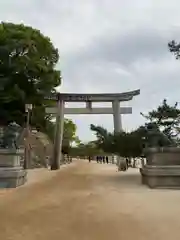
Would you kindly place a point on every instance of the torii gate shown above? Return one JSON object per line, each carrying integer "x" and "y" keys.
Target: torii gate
{"x": 60, "y": 110}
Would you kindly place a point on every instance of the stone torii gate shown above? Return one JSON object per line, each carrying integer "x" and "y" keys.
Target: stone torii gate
{"x": 60, "y": 110}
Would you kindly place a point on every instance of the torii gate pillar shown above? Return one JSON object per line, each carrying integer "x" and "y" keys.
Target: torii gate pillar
{"x": 117, "y": 116}
{"x": 57, "y": 153}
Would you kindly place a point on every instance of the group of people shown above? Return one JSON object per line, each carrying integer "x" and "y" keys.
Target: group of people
{"x": 102, "y": 159}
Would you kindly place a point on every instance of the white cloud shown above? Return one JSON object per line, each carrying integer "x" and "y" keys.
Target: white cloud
{"x": 110, "y": 46}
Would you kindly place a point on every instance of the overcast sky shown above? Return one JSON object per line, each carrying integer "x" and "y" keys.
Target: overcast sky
{"x": 109, "y": 46}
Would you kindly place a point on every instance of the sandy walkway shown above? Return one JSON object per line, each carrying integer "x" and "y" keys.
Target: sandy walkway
{"x": 89, "y": 201}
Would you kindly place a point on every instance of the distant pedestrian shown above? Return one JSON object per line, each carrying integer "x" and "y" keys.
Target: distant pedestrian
{"x": 127, "y": 163}
{"x": 103, "y": 159}
{"x": 100, "y": 159}
{"x": 89, "y": 159}
{"x": 107, "y": 160}
{"x": 97, "y": 159}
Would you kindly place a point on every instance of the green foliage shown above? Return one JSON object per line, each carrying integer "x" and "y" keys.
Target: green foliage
{"x": 105, "y": 140}
{"x": 69, "y": 130}
{"x": 84, "y": 150}
{"x": 27, "y": 71}
{"x": 27, "y": 75}
{"x": 69, "y": 135}
{"x": 167, "y": 119}
{"x": 174, "y": 48}
{"x": 123, "y": 144}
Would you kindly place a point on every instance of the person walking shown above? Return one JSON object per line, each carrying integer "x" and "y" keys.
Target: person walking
{"x": 103, "y": 159}
{"x": 97, "y": 159}
{"x": 127, "y": 163}
{"x": 107, "y": 160}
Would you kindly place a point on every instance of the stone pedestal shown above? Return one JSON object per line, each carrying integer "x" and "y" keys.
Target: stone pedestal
{"x": 162, "y": 169}
{"x": 121, "y": 164}
{"x": 12, "y": 174}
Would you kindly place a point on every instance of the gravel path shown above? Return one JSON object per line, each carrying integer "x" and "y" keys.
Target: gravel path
{"x": 88, "y": 201}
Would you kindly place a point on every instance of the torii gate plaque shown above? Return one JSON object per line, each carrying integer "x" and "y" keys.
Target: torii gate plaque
{"x": 60, "y": 110}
